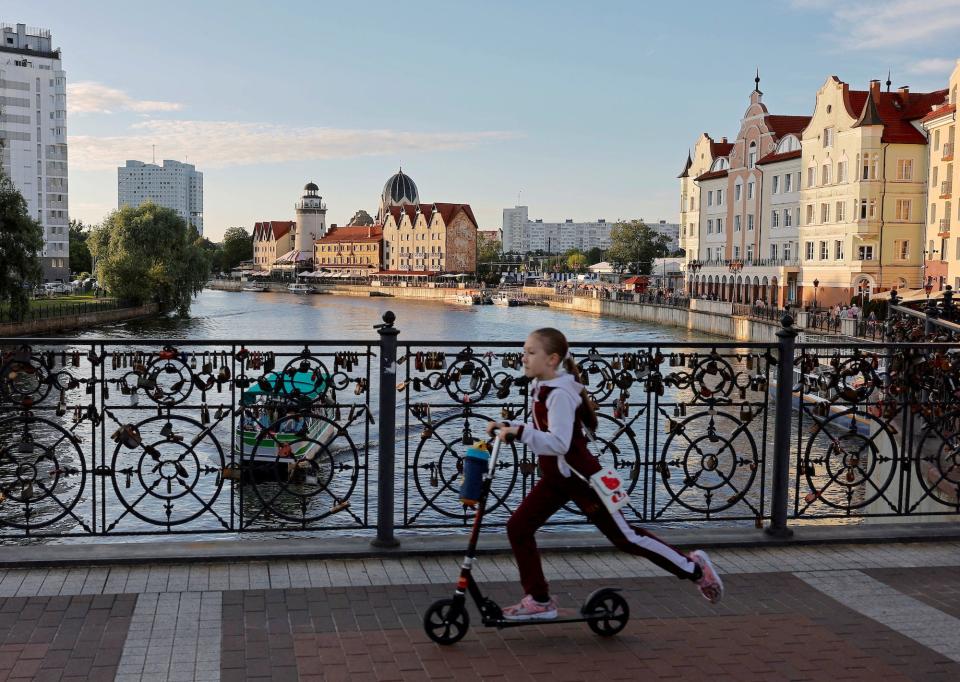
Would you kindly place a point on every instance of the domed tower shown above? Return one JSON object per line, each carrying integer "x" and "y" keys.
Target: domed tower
{"x": 311, "y": 219}
{"x": 400, "y": 190}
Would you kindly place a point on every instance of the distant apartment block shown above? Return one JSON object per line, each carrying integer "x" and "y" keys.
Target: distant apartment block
{"x": 33, "y": 136}
{"x": 174, "y": 185}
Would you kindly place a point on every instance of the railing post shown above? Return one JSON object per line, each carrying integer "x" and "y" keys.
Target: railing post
{"x": 786, "y": 339}
{"x": 932, "y": 313}
{"x": 387, "y": 431}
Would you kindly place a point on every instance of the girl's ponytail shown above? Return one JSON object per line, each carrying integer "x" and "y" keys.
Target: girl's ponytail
{"x": 589, "y": 413}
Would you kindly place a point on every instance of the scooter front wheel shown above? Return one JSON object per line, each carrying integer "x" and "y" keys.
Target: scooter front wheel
{"x": 446, "y": 621}
{"x": 607, "y": 612}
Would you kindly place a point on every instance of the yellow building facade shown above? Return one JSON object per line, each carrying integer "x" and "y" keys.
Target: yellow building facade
{"x": 430, "y": 239}
{"x": 352, "y": 249}
{"x": 271, "y": 239}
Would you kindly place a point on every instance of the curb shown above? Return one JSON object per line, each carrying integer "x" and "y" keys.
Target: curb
{"x": 230, "y": 549}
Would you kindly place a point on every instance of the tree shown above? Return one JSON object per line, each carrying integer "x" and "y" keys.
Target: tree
{"x": 634, "y": 246}
{"x": 237, "y": 247}
{"x": 149, "y": 253}
{"x": 594, "y": 255}
{"x": 21, "y": 242}
{"x": 361, "y": 217}
{"x": 214, "y": 253}
{"x": 80, "y": 259}
{"x": 488, "y": 249}
{"x": 576, "y": 261}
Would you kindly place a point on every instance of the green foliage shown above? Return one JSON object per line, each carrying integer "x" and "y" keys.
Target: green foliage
{"x": 237, "y": 246}
{"x": 148, "y": 254}
{"x": 576, "y": 262}
{"x": 594, "y": 256}
{"x": 488, "y": 250}
{"x": 80, "y": 258}
{"x": 21, "y": 242}
{"x": 634, "y": 246}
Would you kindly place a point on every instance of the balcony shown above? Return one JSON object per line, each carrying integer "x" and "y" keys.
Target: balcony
{"x": 867, "y": 226}
{"x": 947, "y": 152}
{"x": 944, "y": 228}
{"x": 946, "y": 189}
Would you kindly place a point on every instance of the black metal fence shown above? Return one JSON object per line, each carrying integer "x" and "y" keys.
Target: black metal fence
{"x": 143, "y": 437}
{"x": 51, "y": 308}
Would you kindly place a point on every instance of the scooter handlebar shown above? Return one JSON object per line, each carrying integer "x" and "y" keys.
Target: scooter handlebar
{"x": 506, "y": 438}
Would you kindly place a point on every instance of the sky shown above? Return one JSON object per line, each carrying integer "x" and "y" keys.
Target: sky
{"x": 577, "y": 110}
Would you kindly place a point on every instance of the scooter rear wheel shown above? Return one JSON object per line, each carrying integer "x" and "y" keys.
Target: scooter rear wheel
{"x": 446, "y": 622}
{"x": 608, "y": 612}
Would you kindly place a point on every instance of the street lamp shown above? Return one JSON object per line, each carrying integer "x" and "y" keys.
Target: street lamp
{"x": 816, "y": 284}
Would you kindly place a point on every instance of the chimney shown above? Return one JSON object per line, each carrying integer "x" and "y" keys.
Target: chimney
{"x": 369, "y": 231}
{"x": 875, "y": 89}
{"x": 904, "y": 93}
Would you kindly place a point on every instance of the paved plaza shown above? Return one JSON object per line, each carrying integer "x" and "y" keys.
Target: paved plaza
{"x": 836, "y": 612}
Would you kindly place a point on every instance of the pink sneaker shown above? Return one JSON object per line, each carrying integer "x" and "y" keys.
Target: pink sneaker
{"x": 530, "y": 609}
{"x": 710, "y": 585}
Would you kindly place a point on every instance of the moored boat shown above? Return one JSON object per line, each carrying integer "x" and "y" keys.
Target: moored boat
{"x": 301, "y": 289}
{"x": 255, "y": 287}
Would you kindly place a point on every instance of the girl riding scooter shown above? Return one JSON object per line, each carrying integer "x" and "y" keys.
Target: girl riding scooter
{"x": 561, "y": 411}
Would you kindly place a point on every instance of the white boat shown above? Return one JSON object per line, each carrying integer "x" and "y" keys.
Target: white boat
{"x": 468, "y": 299}
{"x": 505, "y": 299}
{"x": 255, "y": 287}
{"x": 301, "y": 289}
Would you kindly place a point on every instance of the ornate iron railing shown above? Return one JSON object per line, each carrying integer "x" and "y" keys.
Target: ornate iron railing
{"x": 190, "y": 437}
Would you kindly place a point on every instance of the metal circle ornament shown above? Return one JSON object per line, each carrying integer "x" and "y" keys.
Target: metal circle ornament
{"x": 42, "y": 472}
{"x": 167, "y": 470}
{"x": 713, "y": 377}
{"x": 23, "y": 378}
{"x": 304, "y": 466}
{"x": 709, "y": 461}
{"x": 167, "y": 379}
{"x": 306, "y": 378}
{"x": 468, "y": 379}
{"x": 938, "y": 460}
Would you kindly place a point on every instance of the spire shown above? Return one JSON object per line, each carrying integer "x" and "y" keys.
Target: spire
{"x": 889, "y": 82}
{"x": 686, "y": 166}
{"x": 756, "y": 81}
{"x": 869, "y": 116}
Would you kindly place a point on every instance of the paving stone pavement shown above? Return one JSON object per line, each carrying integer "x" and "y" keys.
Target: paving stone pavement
{"x": 831, "y": 612}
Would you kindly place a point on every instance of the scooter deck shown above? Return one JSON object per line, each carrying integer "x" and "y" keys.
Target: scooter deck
{"x": 563, "y": 616}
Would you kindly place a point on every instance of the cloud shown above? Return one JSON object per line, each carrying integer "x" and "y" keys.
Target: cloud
{"x": 932, "y": 66}
{"x": 219, "y": 144}
{"x": 865, "y": 25}
{"x": 89, "y": 97}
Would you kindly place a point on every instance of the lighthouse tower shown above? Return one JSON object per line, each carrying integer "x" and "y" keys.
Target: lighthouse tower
{"x": 311, "y": 219}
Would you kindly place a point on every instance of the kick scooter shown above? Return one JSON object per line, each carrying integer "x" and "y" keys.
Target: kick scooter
{"x": 605, "y": 611}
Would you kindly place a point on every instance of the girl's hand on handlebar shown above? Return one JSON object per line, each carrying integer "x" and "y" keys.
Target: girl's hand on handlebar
{"x": 503, "y": 429}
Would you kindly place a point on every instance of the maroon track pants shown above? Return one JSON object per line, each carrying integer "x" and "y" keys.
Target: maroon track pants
{"x": 547, "y": 497}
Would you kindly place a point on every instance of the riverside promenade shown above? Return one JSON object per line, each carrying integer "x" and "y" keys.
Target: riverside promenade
{"x": 886, "y": 611}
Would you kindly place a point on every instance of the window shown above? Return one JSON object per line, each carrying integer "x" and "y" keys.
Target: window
{"x": 809, "y": 214}
{"x": 840, "y": 216}
{"x": 736, "y": 252}
{"x": 901, "y": 249}
{"x": 824, "y": 252}
{"x": 775, "y": 187}
{"x": 838, "y": 249}
{"x": 797, "y": 209}
{"x": 904, "y": 169}
{"x": 872, "y": 213}
{"x": 750, "y": 253}
{"x": 825, "y": 174}
{"x": 828, "y": 137}
{"x": 936, "y": 140}
{"x": 786, "y": 250}
{"x": 719, "y": 197}
{"x": 824, "y": 213}
{"x": 933, "y": 176}
{"x": 750, "y": 190}
{"x": 691, "y": 202}
{"x": 710, "y": 226}
{"x": 811, "y": 176}
{"x": 691, "y": 229}
{"x": 933, "y": 213}
{"x": 869, "y": 167}
{"x": 773, "y": 252}
{"x": 710, "y": 198}
{"x": 787, "y": 215}
{"x": 786, "y": 182}
{"x": 750, "y": 222}
{"x": 752, "y": 156}
{"x": 736, "y": 223}
{"x": 774, "y": 218}
{"x": 865, "y": 253}
{"x": 958, "y": 250}
{"x": 719, "y": 225}
{"x": 841, "y": 171}
{"x": 903, "y": 209}
{"x": 736, "y": 191}
{"x": 863, "y": 209}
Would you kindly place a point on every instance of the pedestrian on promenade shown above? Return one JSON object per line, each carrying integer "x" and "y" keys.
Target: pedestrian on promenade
{"x": 562, "y": 412}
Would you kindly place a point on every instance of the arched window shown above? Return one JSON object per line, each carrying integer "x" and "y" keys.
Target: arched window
{"x": 752, "y": 155}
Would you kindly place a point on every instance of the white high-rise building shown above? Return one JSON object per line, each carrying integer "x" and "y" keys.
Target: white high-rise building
{"x": 174, "y": 185}
{"x": 33, "y": 136}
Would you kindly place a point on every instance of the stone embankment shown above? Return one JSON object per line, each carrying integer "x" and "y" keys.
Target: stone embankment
{"x": 56, "y": 325}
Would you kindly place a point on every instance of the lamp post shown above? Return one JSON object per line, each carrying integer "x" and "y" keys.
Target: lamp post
{"x": 816, "y": 284}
